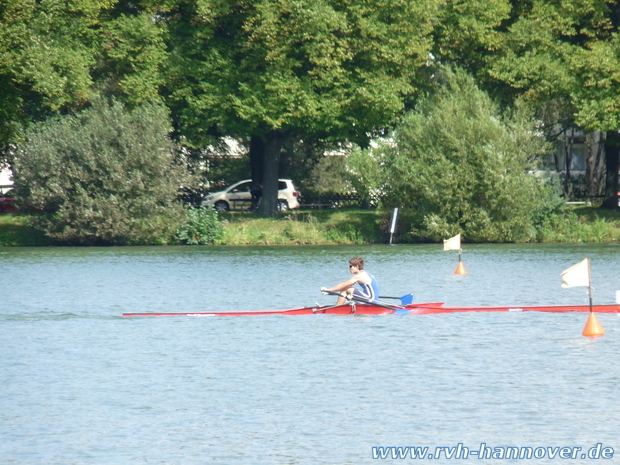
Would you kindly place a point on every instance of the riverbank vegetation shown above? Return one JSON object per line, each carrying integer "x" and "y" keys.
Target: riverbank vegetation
{"x": 107, "y": 176}
{"x": 462, "y": 163}
{"x": 347, "y": 226}
{"x": 113, "y": 114}
{"x": 16, "y": 230}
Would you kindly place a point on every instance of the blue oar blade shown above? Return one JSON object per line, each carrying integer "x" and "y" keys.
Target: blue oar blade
{"x": 406, "y": 299}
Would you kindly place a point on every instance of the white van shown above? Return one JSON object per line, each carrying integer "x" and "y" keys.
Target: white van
{"x": 238, "y": 197}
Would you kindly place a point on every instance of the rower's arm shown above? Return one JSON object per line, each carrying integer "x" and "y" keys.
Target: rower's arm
{"x": 345, "y": 285}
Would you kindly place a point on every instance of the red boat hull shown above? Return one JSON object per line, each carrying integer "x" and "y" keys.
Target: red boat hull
{"x": 412, "y": 309}
{"x": 423, "y": 310}
{"x": 359, "y": 309}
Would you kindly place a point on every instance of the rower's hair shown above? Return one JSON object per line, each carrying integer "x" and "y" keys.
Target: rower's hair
{"x": 357, "y": 261}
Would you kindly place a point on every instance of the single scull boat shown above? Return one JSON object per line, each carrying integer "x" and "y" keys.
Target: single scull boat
{"x": 353, "y": 308}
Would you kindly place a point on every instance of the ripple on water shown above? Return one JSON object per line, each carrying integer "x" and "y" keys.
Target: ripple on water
{"x": 83, "y": 385}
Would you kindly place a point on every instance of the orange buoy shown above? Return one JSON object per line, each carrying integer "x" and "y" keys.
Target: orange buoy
{"x": 460, "y": 269}
{"x": 593, "y": 328}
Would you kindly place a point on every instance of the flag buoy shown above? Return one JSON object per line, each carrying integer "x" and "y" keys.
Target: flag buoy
{"x": 460, "y": 269}
{"x": 593, "y": 327}
{"x": 579, "y": 275}
{"x": 454, "y": 243}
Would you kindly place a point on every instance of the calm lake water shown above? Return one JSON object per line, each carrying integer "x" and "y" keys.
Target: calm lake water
{"x": 82, "y": 385}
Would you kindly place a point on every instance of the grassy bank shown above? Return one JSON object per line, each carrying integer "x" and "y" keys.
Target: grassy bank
{"x": 305, "y": 227}
{"x": 587, "y": 225}
{"x": 15, "y": 231}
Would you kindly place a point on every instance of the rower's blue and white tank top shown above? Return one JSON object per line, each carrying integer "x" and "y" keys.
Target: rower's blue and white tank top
{"x": 368, "y": 291}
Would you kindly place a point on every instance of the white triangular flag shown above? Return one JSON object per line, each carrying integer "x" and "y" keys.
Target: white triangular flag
{"x": 577, "y": 275}
{"x": 454, "y": 243}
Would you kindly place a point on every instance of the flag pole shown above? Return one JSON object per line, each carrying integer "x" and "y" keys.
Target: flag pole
{"x": 460, "y": 268}
{"x": 593, "y": 327}
{"x": 590, "y": 285}
{"x": 574, "y": 277}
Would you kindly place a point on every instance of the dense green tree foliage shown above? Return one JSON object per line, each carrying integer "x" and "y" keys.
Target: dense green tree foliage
{"x": 279, "y": 74}
{"x": 55, "y": 56}
{"x": 131, "y": 57}
{"x": 104, "y": 176}
{"x": 46, "y": 55}
{"x": 469, "y": 32}
{"x": 563, "y": 59}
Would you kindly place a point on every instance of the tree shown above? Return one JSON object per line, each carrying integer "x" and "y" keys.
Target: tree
{"x": 597, "y": 97}
{"x": 279, "y": 70}
{"x": 46, "y": 54}
{"x": 130, "y": 57}
{"x": 56, "y": 56}
{"x": 564, "y": 56}
{"x": 468, "y": 32}
{"x": 104, "y": 176}
{"x": 463, "y": 165}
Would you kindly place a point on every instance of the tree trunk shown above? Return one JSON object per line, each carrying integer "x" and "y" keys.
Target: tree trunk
{"x": 257, "y": 157}
{"x": 556, "y": 160}
{"x": 568, "y": 159}
{"x": 612, "y": 162}
{"x": 271, "y": 161}
{"x": 594, "y": 163}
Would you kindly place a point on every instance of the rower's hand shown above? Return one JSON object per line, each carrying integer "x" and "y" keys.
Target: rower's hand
{"x": 323, "y": 289}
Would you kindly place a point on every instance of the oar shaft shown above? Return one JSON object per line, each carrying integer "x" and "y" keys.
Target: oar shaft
{"x": 366, "y": 301}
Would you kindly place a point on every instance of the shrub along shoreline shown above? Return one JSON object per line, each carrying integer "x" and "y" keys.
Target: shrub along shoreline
{"x": 312, "y": 227}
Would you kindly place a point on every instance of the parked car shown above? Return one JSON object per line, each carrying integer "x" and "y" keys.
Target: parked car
{"x": 238, "y": 196}
{"x": 7, "y": 204}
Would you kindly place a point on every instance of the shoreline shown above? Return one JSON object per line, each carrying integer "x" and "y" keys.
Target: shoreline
{"x": 342, "y": 227}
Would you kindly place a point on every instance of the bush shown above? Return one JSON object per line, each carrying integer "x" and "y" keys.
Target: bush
{"x": 464, "y": 166}
{"x": 203, "y": 227}
{"x": 567, "y": 226}
{"x": 105, "y": 176}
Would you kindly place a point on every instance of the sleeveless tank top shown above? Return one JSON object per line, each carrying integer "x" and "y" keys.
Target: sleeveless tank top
{"x": 369, "y": 291}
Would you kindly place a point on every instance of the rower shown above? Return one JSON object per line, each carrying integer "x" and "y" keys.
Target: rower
{"x": 367, "y": 289}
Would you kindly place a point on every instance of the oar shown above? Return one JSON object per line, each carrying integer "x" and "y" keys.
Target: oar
{"x": 365, "y": 301}
{"x": 404, "y": 300}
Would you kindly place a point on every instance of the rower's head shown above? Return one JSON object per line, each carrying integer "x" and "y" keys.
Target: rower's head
{"x": 357, "y": 262}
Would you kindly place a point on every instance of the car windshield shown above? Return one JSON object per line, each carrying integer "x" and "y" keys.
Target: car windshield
{"x": 243, "y": 187}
